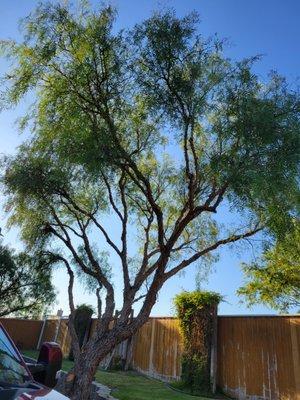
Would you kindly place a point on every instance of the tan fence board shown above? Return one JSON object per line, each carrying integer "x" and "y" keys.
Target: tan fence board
{"x": 258, "y": 357}
{"x": 157, "y": 349}
{"x": 25, "y": 333}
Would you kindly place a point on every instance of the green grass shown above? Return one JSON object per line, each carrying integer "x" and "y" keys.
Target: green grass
{"x": 130, "y": 385}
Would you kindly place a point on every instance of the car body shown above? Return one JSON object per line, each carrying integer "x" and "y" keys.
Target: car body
{"x": 16, "y": 378}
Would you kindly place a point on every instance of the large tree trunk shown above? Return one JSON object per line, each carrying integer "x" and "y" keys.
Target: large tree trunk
{"x": 102, "y": 342}
{"x": 79, "y": 379}
{"x": 83, "y": 376}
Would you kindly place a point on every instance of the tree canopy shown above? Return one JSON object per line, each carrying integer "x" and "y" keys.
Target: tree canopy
{"x": 152, "y": 130}
{"x": 25, "y": 283}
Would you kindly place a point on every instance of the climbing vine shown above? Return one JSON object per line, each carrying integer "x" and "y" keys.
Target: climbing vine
{"x": 196, "y": 312}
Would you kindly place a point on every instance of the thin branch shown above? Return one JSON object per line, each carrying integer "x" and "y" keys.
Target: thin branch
{"x": 110, "y": 195}
{"x": 98, "y": 225}
{"x": 146, "y": 256}
{"x": 139, "y": 298}
{"x": 68, "y": 227}
{"x": 123, "y": 254}
{"x": 196, "y": 256}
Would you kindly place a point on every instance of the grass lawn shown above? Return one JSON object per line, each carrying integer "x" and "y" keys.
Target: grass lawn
{"x": 130, "y": 385}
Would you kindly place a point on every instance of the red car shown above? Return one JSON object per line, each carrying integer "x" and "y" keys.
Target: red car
{"x": 23, "y": 378}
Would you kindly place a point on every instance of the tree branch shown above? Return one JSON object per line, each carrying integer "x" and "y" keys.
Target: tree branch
{"x": 196, "y": 256}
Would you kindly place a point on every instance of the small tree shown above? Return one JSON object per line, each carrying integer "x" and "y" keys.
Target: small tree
{"x": 151, "y": 130}
{"x": 25, "y": 283}
{"x": 274, "y": 279}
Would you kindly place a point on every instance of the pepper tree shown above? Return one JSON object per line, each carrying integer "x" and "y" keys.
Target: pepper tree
{"x": 152, "y": 131}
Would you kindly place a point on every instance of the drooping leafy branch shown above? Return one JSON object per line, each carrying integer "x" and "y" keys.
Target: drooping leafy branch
{"x": 274, "y": 279}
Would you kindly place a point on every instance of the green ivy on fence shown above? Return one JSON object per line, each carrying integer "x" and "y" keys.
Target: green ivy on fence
{"x": 196, "y": 312}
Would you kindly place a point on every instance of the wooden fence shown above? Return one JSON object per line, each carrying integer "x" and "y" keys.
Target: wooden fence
{"x": 25, "y": 333}
{"x": 157, "y": 348}
{"x": 258, "y": 357}
{"x": 28, "y": 334}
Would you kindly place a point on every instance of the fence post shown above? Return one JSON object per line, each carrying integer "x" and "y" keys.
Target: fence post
{"x": 42, "y": 333}
{"x": 129, "y": 347}
{"x": 213, "y": 354}
{"x": 57, "y": 330}
{"x": 151, "y": 367}
{"x": 65, "y": 332}
{"x": 112, "y": 354}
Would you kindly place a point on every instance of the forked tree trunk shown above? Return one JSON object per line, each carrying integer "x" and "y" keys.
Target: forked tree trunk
{"x": 79, "y": 380}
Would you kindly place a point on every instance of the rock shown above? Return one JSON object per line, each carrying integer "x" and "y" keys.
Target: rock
{"x": 101, "y": 392}
{"x": 61, "y": 380}
{"x": 98, "y": 391}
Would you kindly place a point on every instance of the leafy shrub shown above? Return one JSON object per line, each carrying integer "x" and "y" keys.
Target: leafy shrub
{"x": 82, "y": 321}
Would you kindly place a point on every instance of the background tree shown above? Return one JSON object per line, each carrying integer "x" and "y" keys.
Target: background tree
{"x": 25, "y": 283}
{"x": 149, "y": 130}
{"x": 275, "y": 278}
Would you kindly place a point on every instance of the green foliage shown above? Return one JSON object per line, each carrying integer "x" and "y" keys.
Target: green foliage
{"x": 194, "y": 377}
{"x": 85, "y": 309}
{"x": 188, "y": 303}
{"x": 82, "y": 317}
{"x": 195, "y": 316}
{"x": 275, "y": 278}
{"x": 196, "y": 300}
{"x": 246, "y": 121}
{"x": 25, "y": 283}
{"x": 245, "y": 132}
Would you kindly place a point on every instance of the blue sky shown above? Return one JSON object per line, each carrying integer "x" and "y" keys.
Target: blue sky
{"x": 269, "y": 27}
